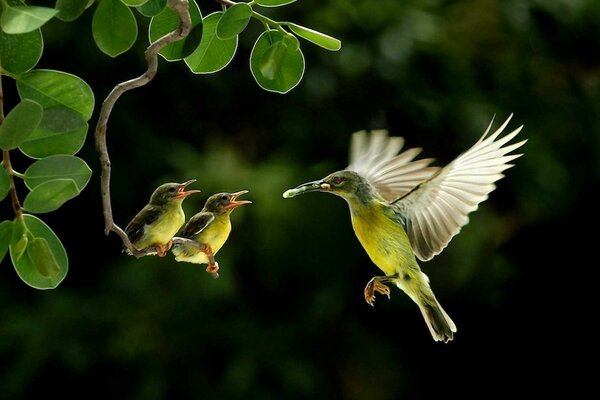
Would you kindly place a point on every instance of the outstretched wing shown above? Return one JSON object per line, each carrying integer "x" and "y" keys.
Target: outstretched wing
{"x": 375, "y": 157}
{"x": 437, "y": 209}
{"x": 197, "y": 224}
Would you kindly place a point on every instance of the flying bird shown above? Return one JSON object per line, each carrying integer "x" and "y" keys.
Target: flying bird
{"x": 403, "y": 209}
{"x": 155, "y": 225}
{"x": 208, "y": 231}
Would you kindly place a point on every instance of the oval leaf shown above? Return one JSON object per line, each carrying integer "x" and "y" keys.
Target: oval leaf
{"x": 19, "y": 124}
{"x": 25, "y": 267}
{"x": 318, "y": 38}
{"x": 50, "y": 195}
{"x": 61, "y": 131}
{"x": 234, "y": 21}
{"x": 273, "y": 3}
{"x": 55, "y": 88}
{"x": 213, "y": 54}
{"x": 40, "y": 255}
{"x": 276, "y": 67}
{"x": 58, "y": 167}
{"x": 4, "y": 183}
{"x": 114, "y": 27}
{"x": 23, "y": 19}
{"x": 20, "y": 53}
{"x": 5, "y": 237}
{"x": 166, "y": 22}
{"x": 152, "y": 8}
{"x": 70, "y": 10}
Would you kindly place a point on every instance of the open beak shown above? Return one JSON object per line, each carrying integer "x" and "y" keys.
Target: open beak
{"x": 234, "y": 202}
{"x": 314, "y": 186}
{"x": 181, "y": 192}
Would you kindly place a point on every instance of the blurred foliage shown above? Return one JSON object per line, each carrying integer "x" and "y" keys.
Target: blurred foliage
{"x": 287, "y": 320}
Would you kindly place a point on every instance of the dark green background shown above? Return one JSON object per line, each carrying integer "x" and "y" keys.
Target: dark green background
{"x": 287, "y": 319}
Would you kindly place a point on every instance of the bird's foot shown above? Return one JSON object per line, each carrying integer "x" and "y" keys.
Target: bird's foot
{"x": 161, "y": 250}
{"x": 213, "y": 269}
{"x": 376, "y": 285}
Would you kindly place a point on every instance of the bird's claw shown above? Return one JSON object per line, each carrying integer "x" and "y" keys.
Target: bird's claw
{"x": 213, "y": 269}
{"x": 375, "y": 285}
{"x": 163, "y": 249}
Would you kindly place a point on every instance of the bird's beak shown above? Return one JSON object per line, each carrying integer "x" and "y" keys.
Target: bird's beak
{"x": 234, "y": 202}
{"x": 315, "y": 186}
{"x": 181, "y": 193}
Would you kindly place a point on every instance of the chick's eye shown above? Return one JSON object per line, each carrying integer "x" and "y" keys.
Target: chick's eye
{"x": 224, "y": 198}
{"x": 337, "y": 180}
{"x": 172, "y": 190}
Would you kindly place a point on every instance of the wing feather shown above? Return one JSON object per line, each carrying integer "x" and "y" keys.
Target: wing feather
{"x": 375, "y": 157}
{"x": 438, "y": 208}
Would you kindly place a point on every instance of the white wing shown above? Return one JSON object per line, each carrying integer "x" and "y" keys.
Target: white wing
{"x": 438, "y": 208}
{"x": 375, "y": 157}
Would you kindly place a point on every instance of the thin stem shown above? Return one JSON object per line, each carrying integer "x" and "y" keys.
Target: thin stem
{"x": 151, "y": 55}
{"x": 11, "y": 182}
{"x": 8, "y": 166}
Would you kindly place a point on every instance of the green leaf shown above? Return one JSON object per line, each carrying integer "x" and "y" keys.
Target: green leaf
{"x": 58, "y": 167}
{"x": 26, "y": 268}
{"x": 213, "y": 54}
{"x": 20, "y": 53}
{"x": 273, "y": 3}
{"x": 234, "y": 21}
{"x": 276, "y": 67}
{"x": 4, "y": 183}
{"x": 134, "y": 3}
{"x": 40, "y": 255}
{"x": 5, "y": 237}
{"x": 19, "y": 124}
{"x": 70, "y": 10}
{"x": 152, "y": 8}
{"x": 61, "y": 131}
{"x": 23, "y": 19}
{"x": 167, "y": 21}
{"x": 50, "y": 195}
{"x": 318, "y": 38}
{"x": 55, "y": 88}
{"x": 114, "y": 27}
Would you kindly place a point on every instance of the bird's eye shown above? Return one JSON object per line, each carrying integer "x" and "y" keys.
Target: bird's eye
{"x": 337, "y": 180}
{"x": 224, "y": 197}
{"x": 172, "y": 189}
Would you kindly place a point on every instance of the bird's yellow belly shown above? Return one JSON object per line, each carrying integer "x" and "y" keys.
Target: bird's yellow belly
{"x": 163, "y": 230}
{"x": 385, "y": 241}
{"x": 215, "y": 236}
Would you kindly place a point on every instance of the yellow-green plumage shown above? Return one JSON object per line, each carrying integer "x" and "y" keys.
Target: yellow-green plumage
{"x": 403, "y": 209}
{"x": 156, "y": 224}
{"x": 382, "y": 237}
{"x": 208, "y": 230}
{"x": 214, "y": 235}
{"x": 164, "y": 228}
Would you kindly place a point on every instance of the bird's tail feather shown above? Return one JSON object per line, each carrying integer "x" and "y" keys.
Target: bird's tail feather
{"x": 440, "y": 325}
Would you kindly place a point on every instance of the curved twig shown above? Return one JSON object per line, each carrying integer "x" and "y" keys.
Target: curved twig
{"x": 151, "y": 54}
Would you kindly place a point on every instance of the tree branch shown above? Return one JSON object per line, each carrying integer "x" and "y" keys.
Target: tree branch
{"x": 151, "y": 54}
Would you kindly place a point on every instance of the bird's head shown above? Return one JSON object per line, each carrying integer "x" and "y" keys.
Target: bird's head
{"x": 169, "y": 192}
{"x": 346, "y": 184}
{"x": 223, "y": 203}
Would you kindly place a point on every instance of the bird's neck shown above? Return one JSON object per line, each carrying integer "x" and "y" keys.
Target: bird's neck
{"x": 169, "y": 205}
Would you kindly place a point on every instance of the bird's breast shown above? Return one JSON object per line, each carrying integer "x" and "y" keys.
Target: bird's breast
{"x": 164, "y": 228}
{"x": 383, "y": 238}
{"x": 215, "y": 234}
